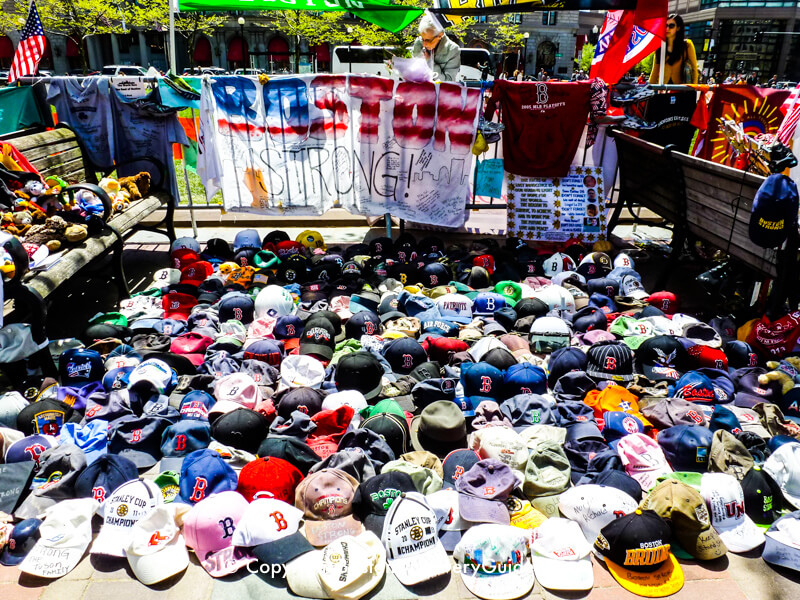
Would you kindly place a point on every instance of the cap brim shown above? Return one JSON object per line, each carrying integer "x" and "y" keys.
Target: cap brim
{"x": 481, "y": 510}
{"x": 649, "y": 479}
{"x": 283, "y": 550}
{"x": 167, "y": 562}
{"x": 743, "y": 538}
{"x": 142, "y": 460}
{"x": 781, "y": 551}
{"x": 664, "y": 581}
{"x": 704, "y": 545}
{"x": 421, "y": 566}
{"x": 325, "y": 352}
{"x": 504, "y": 585}
{"x": 9, "y": 560}
{"x": 224, "y": 562}
{"x": 450, "y": 539}
{"x": 322, "y": 533}
{"x": 659, "y": 373}
{"x": 555, "y": 574}
{"x": 43, "y": 561}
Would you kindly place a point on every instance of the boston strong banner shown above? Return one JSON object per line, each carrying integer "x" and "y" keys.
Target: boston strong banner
{"x": 382, "y": 13}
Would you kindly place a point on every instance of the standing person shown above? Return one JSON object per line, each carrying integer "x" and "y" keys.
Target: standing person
{"x": 680, "y": 57}
{"x": 752, "y": 79}
{"x": 773, "y": 82}
{"x": 542, "y": 74}
{"x": 518, "y": 75}
{"x": 442, "y": 53}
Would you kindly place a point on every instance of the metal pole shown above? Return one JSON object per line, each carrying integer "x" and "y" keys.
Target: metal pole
{"x": 388, "y": 217}
{"x": 663, "y": 62}
{"x": 186, "y": 182}
{"x": 172, "y": 57}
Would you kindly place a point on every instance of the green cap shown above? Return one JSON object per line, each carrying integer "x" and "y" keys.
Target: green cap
{"x": 425, "y": 480}
{"x": 170, "y": 484}
{"x": 547, "y": 471}
{"x": 511, "y": 290}
{"x": 113, "y": 318}
{"x": 387, "y": 405}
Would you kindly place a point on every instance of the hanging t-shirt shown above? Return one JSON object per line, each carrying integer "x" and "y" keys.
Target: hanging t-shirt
{"x": 543, "y": 124}
{"x": 143, "y": 128}
{"x": 671, "y": 113}
{"x": 86, "y": 108}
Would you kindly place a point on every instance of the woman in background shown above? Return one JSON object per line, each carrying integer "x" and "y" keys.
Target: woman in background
{"x": 681, "y": 62}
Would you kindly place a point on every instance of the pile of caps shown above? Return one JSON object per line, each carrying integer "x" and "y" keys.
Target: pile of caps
{"x": 398, "y": 407}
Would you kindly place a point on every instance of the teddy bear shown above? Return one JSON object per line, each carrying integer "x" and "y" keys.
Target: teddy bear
{"x": 137, "y": 186}
{"x": 23, "y": 221}
{"x": 787, "y": 372}
{"x": 76, "y": 232}
{"x": 52, "y": 230}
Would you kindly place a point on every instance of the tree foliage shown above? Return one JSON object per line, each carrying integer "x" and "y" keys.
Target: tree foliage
{"x": 587, "y": 54}
{"x": 645, "y": 66}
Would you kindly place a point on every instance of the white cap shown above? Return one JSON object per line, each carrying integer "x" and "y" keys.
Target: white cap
{"x": 784, "y": 467}
{"x": 302, "y": 575}
{"x": 64, "y": 537}
{"x": 126, "y": 506}
{"x": 410, "y": 536}
{"x": 301, "y": 370}
{"x": 273, "y": 301}
{"x": 186, "y": 242}
{"x": 484, "y": 345}
{"x": 558, "y": 263}
{"x": 630, "y": 286}
{"x": 502, "y": 443}
{"x": 157, "y": 550}
{"x": 352, "y": 398}
{"x": 266, "y": 520}
{"x": 643, "y": 459}
{"x": 351, "y": 567}
{"x": 154, "y": 371}
{"x": 240, "y": 388}
{"x": 536, "y": 434}
{"x": 166, "y": 277}
{"x": 725, "y": 499}
{"x": 560, "y": 556}
{"x": 448, "y": 518}
{"x": 494, "y": 561}
{"x": 623, "y": 261}
{"x": 593, "y": 507}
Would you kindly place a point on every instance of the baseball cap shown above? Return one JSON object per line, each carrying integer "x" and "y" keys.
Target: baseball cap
{"x": 783, "y": 541}
{"x": 763, "y": 498}
{"x": 494, "y": 563}
{"x": 525, "y": 410}
{"x": 78, "y": 366}
{"x": 326, "y": 499}
{"x": 643, "y": 459}
{"x": 686, "y": 447}
{"x": 563, "y": 361}
{"x": 266, "y": 520}
{"x": 661, "y": 358}
{"x": 667, "y": 412}
{"x": 783, "y": 466}
{"x": 64, "y": 537}
{"x": 548, "y": 334}
{"x": 439, "y": 428}
{"x": 404, "y": 354}
{"x": 204, "y": 473}
{"x": 106, "y": 474}
{"x": 137, "y": 438}
{"x": 547, "y": 472}
{"x": 126, "y": 505}
{"x": 209, "y": 528}
{"x": 725, "y": 500}
{"x": 410, "y": 536}
{"x": 686, "y": 511}
{"x": 20, "y": 542}
{"x": 483, "y": 491}
{"x": 695, "y": 387}
{"x": 561, "y": 556}
{"x": 269, "y": 477}
{"x": 610, "y": 360}
{"x": 273, "y": 301}
{"x": 157, "y": 550}
{"x": 241, "y": 428}
{"x": 636, "y": 549}
{"x": 360, "y": 371}
{"x": 594, "y": 506}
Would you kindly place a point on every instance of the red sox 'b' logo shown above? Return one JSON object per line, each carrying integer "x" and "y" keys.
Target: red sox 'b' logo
{"x": 180, "y": 442}
{"x": 486, "y": 384}
{"x": 280, "y": 521}
{"x": 136, "y": 435}
{"x": 99, "y": 494}
{"x": 199, "y": 490}
{"x": 611, "y": 363}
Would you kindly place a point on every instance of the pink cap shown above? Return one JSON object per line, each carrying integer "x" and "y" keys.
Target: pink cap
{"x": 537, "y": 283}
{"x": 341, "y": 304}
{"x": 643, "y": 459}
{"x": 240, "y": 388}
{"x": 208, "y": 528}
{"x": 190, "y": 343}
{"x": 261, "y": 329}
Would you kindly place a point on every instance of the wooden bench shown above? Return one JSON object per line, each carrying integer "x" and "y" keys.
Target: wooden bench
{"x": 59, "y": 152}
{"x": 704, "y": 201}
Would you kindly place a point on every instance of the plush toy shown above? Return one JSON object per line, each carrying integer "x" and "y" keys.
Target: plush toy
{"x": 76, "y": 233}
{"x": 54, "y": 184}
{"x": 137, "y": 186}
{"x": 787, "y": 372}
{"x": 23, "y": 221}
{"x": 53, "y": 229}
{"x": 33, "y": 189}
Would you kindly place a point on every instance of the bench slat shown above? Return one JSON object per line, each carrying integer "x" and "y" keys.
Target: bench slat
{"x": 66, "y": 170}
{"x": 45, "y": 138}
{"x": 34, "y": 154}
{"x": 56, "y": 160}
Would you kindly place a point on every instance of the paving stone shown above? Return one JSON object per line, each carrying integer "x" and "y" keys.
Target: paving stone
{"x": 120, "y": 590}
{"x": 65, "y": 590}
{"x": 13, "y": 591}
{"x": 760, "y": 581}
{"x": 83, "y": 571}
{"x": 705, "y": 569}
{"x": 9, "y": 574}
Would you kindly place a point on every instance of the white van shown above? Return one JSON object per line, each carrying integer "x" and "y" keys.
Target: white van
{"x": 373, "y": 60}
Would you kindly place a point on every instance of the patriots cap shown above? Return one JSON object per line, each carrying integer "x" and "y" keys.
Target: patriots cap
{"x": 610, "y": 360}
{"x": 78, "y": 366}
{"x": 661, "y": 358}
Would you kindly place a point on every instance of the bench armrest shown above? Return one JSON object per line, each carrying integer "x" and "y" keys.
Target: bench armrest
{"x": 97, "y": 191}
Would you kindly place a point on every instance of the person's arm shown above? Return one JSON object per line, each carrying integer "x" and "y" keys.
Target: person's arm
{"x": 692, "y": 58}
{"x": 654, "y": 72}
{"x": 452, "y": 62}
{"x": 416, "y": 49}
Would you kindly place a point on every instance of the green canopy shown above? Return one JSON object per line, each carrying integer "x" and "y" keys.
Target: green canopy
{"x": 382, "y": 13}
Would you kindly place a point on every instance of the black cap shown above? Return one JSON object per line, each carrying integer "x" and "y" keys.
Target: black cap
{"x": 434, "y": 274}
{"x": 319, "y": 338}
{"x": 740, "y": 355}
{"x": 662, "y": 358}
{"x": 499, "y": 358}
{"x": 528, "y": 307}
{"x": 616, "y": 479}
{"x": 291, "y": 450}
{"x": 610, "y": 360}
{"x": 382, "y": 246}
{"x": 45, "y": 416}
{"x": 359, "y": 371}
{"x": 428, "y": 370}
{"x": 455, "y": 464}
{"x": 283, "y": 550}
{"x": 306, "y": 400}
{"x": 763, "y": 499}
{"x": 635, "y": 531}
{"x": 242, "y": 428}
{"x": 506, "y": 317}
{"x": 218, "y": 248}
{"x": 393, "y": 429}
{"x": 374, "y": 496}
{"x": 364, "y": 322}
{"x": 404, "y": 355}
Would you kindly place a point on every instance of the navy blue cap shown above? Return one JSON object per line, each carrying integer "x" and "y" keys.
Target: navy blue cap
{"x": 373, "y": 445}
{"x": 740, "y": 354}
{"x": 774, "y": 211}
{"x": 455, "y": 464}
{"x": 79, "y": 366}
{"x": 117, "y": 379}
{"x": 404, "y": 355}
{"x": 604, "y": 303}
{"x": 579, "y": 420}
{"x": 288, "y": 327}
{"x": 590, "y": 456}
{"x": 21, "y": 541}
{"x": 776, "y": 441}
{"x": 694, "y": 387}
{"x": 524, "y": 378}
{"x": 563, "y": 361}
{"x": 618, "y": 424}
{"x": 604, "y": 286}
{"x": 170, "y": 327}
{"x": 364, "y": 322}
{"x": 196, "y": 405}
{"x": 29, "y": 448}
{"x": 236, "y": 306}
{"x": 525, "y": 410}
{"x": 481, "y": 381}
{"x": 103, "y": 476}
{"x": 205, "y": 472}
{"x": 686, "y": 447}
{"x": 184, "y": 437}
{"x": 434, "y": 274}
{"x": 439, "y": 327}
{"x": 616, "y": 479}
{"x": 723, "y": 418}
{"x": 137, "y": 438}
{"x": 267, "y": 351}
{"x": 505, "y": 316}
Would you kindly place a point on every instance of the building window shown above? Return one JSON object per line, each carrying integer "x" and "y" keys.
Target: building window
{"x": 549, "y": 17}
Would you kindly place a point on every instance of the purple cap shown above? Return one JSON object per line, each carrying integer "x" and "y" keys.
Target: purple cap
{"x": 483, "y": 491}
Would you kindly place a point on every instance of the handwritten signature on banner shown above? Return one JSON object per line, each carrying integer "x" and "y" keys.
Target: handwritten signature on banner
{"x": 368, "y": 144}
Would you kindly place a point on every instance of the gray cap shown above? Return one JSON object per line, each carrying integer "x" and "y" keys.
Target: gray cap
{"x": 673, "y": 411}
{"x": 59, "y": 468}
{"x": 353, "y": 461}
{"x": 524, "y": 410}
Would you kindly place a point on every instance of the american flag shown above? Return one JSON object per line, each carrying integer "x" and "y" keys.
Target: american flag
{"x": 790, "y": 108}
{"x": 31, "y": 47}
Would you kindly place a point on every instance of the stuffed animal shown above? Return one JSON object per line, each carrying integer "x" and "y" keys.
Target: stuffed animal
{"x": 23, "y": 221}
{"x": 787, "y": 372}
{"x": 137, "y": 186}
{"x": 53, "y": 229}
{"x": 76, "y": 233}
{"x": 33, "y": 189}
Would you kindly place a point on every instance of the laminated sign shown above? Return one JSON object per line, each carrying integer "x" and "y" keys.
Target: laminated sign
{"x": 302, "y": 145}
{"x": 557, "y": 209}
